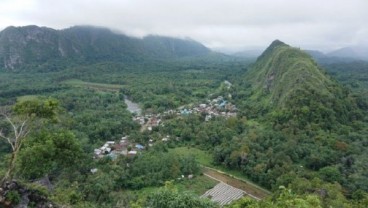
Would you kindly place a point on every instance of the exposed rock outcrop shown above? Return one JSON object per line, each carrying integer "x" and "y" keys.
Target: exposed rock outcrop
{"x": 14, "y": 194}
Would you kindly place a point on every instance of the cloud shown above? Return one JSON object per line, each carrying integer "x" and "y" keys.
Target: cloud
{"x": 318, "y": 24}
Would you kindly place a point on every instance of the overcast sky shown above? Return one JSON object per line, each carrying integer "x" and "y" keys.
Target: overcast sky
{"x": 310, "y": 24}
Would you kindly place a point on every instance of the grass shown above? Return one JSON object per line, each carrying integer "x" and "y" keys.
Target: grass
{"x": 26, "y": 98}
{"x": 93, "y": 85}
{"x": 196, "y": 186}
{"x": 201, "y": 156}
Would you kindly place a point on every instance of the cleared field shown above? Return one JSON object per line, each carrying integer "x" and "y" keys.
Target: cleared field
{"x": 223, "y": 194}
{"x": 198, "y": 185}
{"x": 252, "y": 190}
{"x": 232, "y": 177}
{"x": 201, "y": 156}
{"x": 93, "y": 85}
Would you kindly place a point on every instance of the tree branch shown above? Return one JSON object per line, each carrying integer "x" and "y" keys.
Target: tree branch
{"x": 8, "y": 139}
{"x": 19, "y": 133}
{"x": 15, "y": 129}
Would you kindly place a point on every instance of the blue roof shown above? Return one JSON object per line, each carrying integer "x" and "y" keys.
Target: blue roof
{"x": 112, "y": 155}
{"x": 139, "y": 146}
{"x": 223, "y": 103}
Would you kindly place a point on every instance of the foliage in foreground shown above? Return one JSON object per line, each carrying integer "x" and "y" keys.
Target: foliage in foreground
{"x": 168, "y": 198}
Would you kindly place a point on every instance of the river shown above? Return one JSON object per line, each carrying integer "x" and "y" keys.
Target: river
{"x": 132, "y": 107}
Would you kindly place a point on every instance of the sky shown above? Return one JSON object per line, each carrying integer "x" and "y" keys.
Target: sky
{"x": 219, "y": 24}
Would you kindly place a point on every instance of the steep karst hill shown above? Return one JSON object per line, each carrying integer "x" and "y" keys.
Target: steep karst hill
{"x": 287, "y": 84}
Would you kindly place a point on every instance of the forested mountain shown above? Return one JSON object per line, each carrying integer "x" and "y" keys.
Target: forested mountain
{"x": 32, "y": 46}
{"x": 309, "y": 127}
{"x": 288, "y": 82}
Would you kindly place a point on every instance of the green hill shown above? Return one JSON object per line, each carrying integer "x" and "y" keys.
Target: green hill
{"x": 287, "y": 84}
{"x": 303, "y": 126}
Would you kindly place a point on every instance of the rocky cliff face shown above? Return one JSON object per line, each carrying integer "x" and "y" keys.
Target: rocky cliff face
{"x": 24, "y": 45}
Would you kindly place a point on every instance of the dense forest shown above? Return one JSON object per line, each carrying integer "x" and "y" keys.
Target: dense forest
{"x": 300, "y": 130}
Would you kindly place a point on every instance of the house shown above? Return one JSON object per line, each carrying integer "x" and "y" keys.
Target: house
{"x": 185, "y": 112}
{"x": 222, "y": 104}
{"x": 139, "y": 146}
{"x": 94, "y": 170}
{"x": 124, "y": 142}
{"x": 106, "y": 150}
{"x": 132, "y": 153}
{"x": 165, "y": 139}
{"x": 97, "y": 151}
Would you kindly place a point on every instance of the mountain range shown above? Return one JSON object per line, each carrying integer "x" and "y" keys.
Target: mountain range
{"x": 30, "y": 46}
{"x": 342, "y": 55}
{"x": 346, "y": 54}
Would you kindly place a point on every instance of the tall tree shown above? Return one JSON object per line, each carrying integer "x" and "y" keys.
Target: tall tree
{"x": 19, "y": 121}
{"x": 20, "y": 130}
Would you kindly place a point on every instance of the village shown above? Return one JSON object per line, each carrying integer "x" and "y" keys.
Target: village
{"x": 113, "y": 149}
{"x": 211, "y": 109}
{"x": 222, "y": 193}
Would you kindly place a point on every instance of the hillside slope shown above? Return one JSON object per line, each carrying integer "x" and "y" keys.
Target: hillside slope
{"x": 287, "y": 83}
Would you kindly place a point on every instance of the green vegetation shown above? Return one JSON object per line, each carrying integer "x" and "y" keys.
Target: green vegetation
{"x": 45, "y": 153}
{"x": 167, "y": 198}
{"x": 201, "y": 156}
{"x": 91, "y": 85}
{"x": 289, "y": 83}
{"x": 13, "y": 197}
{"x": 206, "y": 159}
{"x": 308, "y": 122}
{"x": 195, "y": 186}
{"x": 295, "y": 128}
{"x": 285, "y": 199}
